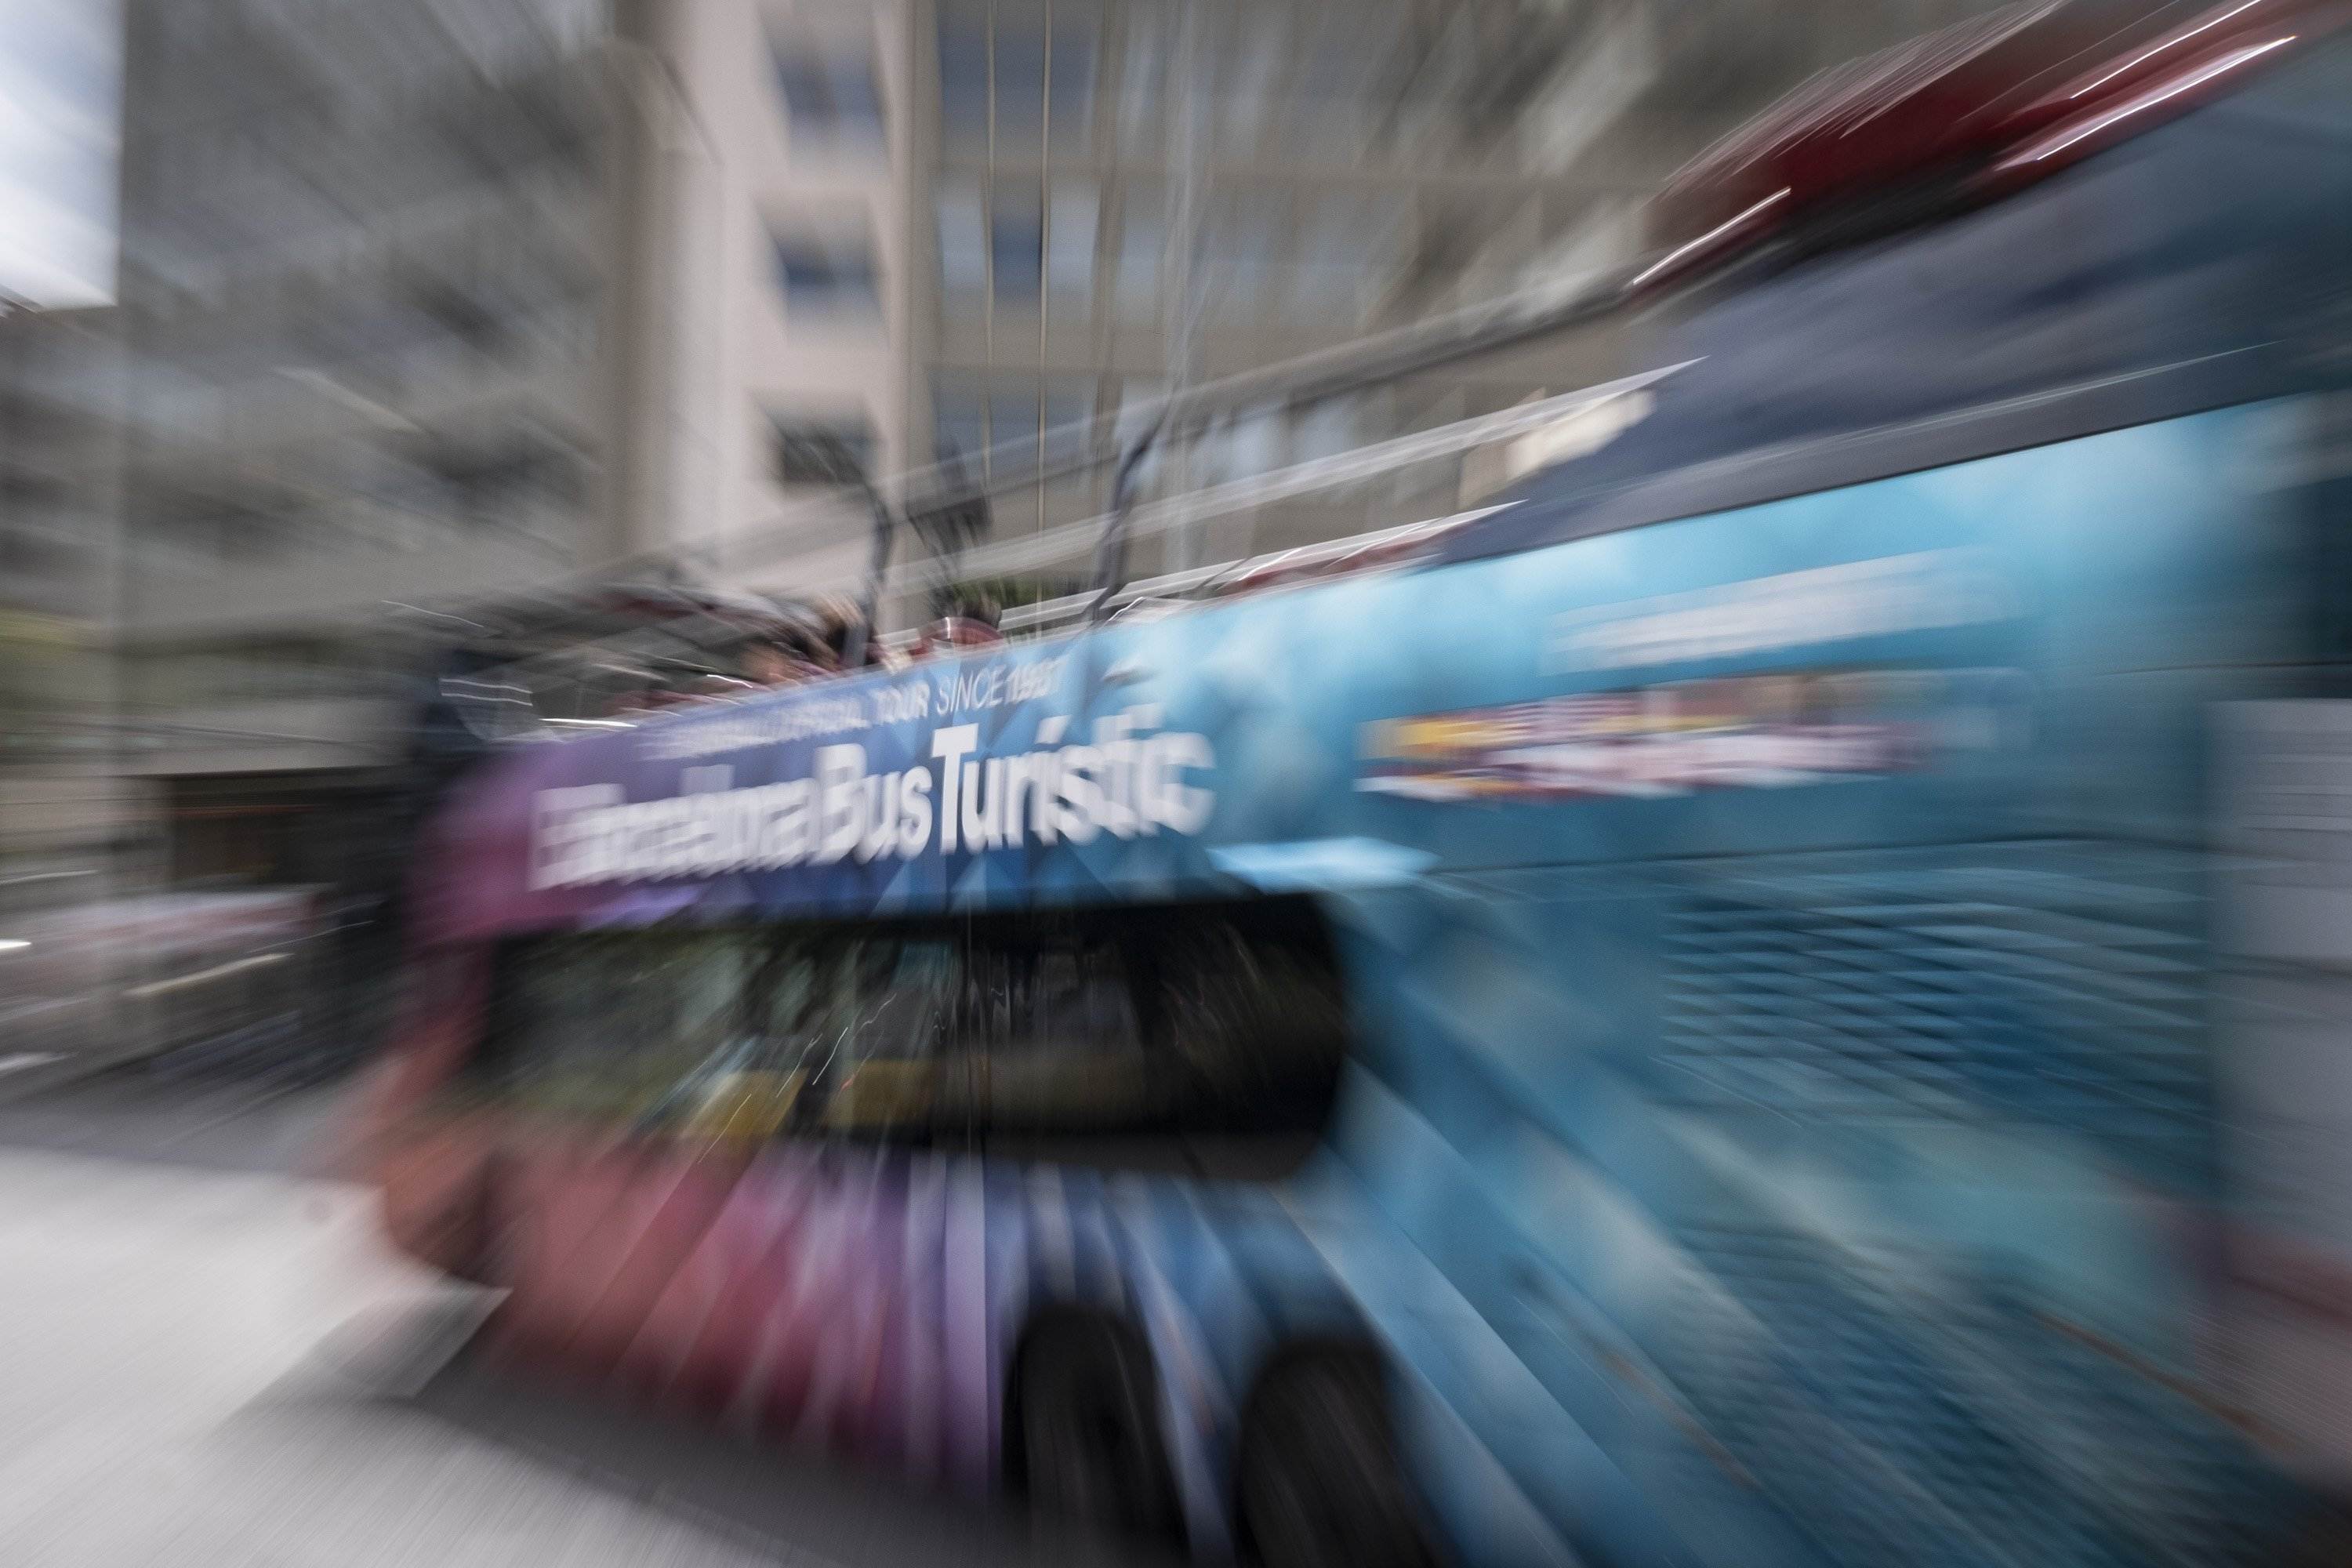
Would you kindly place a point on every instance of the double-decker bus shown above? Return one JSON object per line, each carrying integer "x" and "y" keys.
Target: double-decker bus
{"x": 1779, "y": 1001}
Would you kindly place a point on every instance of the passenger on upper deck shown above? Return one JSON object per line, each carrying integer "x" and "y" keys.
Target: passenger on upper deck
{"x": 765, "y": 663}
{"x": 836, "y": 617}
{"x": 972, "y": 623}
{"x": 786, "y": 657}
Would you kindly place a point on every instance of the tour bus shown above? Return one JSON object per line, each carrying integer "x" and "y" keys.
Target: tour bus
{"x": 1779, "y": 1000}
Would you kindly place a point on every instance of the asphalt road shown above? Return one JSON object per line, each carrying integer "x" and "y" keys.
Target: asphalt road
{"x": 206, "y": 1358}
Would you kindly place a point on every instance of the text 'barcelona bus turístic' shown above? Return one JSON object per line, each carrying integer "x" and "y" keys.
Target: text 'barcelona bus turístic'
{"x": 1781, "y": 1000}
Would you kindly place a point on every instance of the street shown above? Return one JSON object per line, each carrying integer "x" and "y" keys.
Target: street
{"x": 210, "y": 1360}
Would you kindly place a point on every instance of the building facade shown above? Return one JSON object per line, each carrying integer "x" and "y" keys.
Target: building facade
{"x": 947, "y": 229}
{"x": 367, "y": 255}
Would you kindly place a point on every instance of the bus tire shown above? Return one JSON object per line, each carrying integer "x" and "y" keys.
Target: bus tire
{"x": 1082, "y": 1433}
{"x": 2318, "y": 1535}
{"x": 1318, "y": 1479}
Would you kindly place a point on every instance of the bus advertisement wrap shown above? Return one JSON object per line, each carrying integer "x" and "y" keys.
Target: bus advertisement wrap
{"x": 1128, "y": 781}
{"x": 1589, "y": 712}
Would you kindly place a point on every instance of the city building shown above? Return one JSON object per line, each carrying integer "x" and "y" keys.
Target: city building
{"x": 369, "y": 257}
{"x": 71, "y": 820}
{"x": 947, "y": 229}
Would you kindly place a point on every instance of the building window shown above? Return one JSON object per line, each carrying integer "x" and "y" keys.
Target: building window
{"x": 1017, "y": 247}
{"x": 1020, "y": 81}
{"x": 958, "y": 423}
{"x": 964, "y": 243}
{"x": 828, "y": 276}
{"x": 1138, "y": 254}
{"x": 1244, "y": 239}
{"x": 963, "y": 79}
{"x": 492, "y": 477}
{"x": 1070, "y": 246}
{"x": 821, "y": 452}
{"x": 1070, "y": 406}
{"x": 829, "y": 92}
{"x": 1326, "y": 429}
{"x": 1142, "y": 117}
{"x": 1073, "y": 88}
{"x": 1013, "y": 412}
{"x": 1240, "y": 447}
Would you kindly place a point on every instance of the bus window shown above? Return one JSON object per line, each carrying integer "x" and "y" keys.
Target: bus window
{"x": 622, "y": 1028}
{"x": 1184, "y": 1036}
{"x": 1203, "y": 1038}
{"x": 872, "y": 1067}
{"x": 1066, "y": 1053}
{"x": 1257, "y": 1022}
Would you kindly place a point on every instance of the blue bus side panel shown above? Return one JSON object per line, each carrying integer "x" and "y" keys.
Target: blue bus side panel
{"x": 1842, "y": 1158}
{"x": 1869, "y": 1196}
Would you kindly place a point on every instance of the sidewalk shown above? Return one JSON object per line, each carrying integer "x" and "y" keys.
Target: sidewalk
{"x": 208, "y": 1360}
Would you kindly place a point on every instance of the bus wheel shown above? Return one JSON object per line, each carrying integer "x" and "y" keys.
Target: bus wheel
{"x": 1318, "y": 1479}
{"x": 2318, "y": 1535}
{"x": 1086, "y": 1428}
